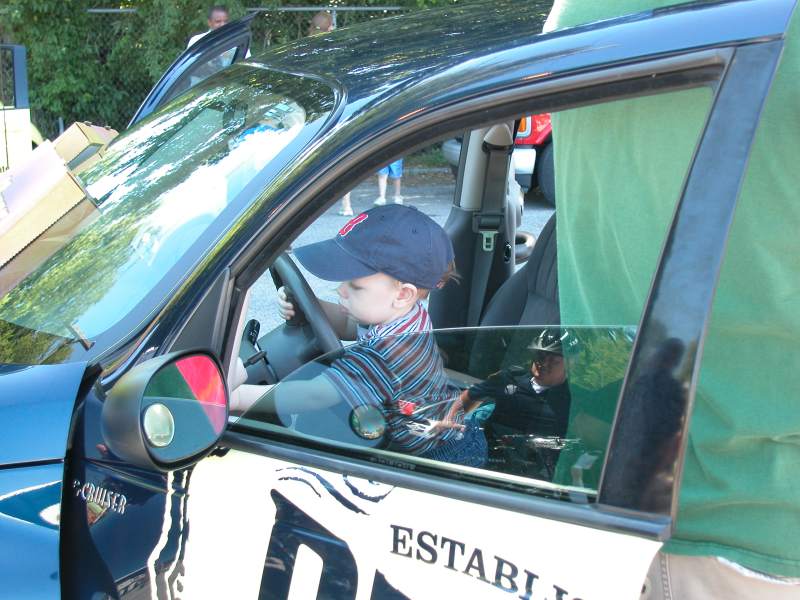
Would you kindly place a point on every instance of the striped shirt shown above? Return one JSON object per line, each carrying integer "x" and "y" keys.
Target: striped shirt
{"x": 397, "y": 368}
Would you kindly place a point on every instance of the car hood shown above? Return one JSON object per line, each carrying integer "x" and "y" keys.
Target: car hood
{"x": 36, "y": 407}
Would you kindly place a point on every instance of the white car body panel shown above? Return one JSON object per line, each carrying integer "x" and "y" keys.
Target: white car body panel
{"x": 413, "y": 539}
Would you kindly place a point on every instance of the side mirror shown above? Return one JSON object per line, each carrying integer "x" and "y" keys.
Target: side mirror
{"x": 167, "y": 412}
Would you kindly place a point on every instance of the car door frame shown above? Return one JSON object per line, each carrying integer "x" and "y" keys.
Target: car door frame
{"x": 612, "y": 512}
{"x": 700, "y": 229}
{"x": 233, "y": 35}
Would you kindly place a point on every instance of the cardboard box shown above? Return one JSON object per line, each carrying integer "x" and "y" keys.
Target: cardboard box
{"x": 15, "y": 137}
{"x": 40, "y": 193}
{"x": 80, "y": 141}
{"x": 31, "y": 179}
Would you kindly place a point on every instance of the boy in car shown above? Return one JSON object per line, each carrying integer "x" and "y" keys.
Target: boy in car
{"x": 388, "y": 259}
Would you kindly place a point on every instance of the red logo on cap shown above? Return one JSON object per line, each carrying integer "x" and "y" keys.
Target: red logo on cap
{"x": 352, "y": 223}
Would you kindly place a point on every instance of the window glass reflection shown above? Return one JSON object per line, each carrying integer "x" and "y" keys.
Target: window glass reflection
{"x": 531, "y": 402}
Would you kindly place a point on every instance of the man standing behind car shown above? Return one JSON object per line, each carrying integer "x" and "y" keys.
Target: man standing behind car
{"x": 218, "y": 16}
{"x": 738, "y": 518}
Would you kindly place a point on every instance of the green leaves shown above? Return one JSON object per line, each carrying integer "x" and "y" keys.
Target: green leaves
{"x": 99, "y": 67}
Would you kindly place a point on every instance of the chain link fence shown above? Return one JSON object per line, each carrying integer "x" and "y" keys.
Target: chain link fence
{"x": 115, "y": 32}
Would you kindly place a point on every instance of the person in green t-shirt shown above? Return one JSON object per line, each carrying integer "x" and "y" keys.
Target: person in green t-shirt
{"x": 738, "y": 516}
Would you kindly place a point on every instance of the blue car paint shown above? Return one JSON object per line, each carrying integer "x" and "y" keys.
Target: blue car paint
{"x": 30, "y": 498}
{"x": 36, "y": 409}
{"x": 117, "y": 546}
{"x": 36, "y": 405}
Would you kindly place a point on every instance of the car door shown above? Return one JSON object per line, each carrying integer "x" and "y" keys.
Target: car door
{"x": 213, "y": 52}
{"x": 333, "y": 519}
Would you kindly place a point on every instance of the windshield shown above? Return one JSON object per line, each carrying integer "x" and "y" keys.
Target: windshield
{"x": 137, "y": 212}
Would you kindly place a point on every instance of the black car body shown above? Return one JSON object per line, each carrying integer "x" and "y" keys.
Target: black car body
{"x": 86, "y": 513}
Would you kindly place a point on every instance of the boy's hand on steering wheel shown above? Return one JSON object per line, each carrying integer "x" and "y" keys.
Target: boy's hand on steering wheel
{"x": 285, "y": 308}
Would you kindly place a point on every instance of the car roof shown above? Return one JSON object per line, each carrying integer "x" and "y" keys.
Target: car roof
{"x": 385, "y": 53}
{"x": 503, "y": 39}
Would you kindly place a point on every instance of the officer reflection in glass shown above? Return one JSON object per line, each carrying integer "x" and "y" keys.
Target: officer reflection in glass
{"x": 525, "y": 410}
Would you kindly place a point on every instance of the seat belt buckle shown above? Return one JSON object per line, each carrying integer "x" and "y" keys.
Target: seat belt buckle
{"x": 488, "y": 226}
{"x": 487, "y": 240}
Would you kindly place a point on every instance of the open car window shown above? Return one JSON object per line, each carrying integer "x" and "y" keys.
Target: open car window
{"x": 486, "y": 405}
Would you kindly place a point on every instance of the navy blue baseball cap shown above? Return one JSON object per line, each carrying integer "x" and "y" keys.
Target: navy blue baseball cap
{"x": 394, "y": 239}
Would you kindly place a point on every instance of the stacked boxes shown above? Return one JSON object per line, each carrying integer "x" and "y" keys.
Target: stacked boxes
{"x": 42, "y": 201}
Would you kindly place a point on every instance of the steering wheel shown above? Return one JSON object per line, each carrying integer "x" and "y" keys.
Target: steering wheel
{"x": 306, "y": 305}
{"x": 363, "y": 426}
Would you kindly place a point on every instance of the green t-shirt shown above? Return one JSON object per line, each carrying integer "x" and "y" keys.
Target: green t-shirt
{"x": 740, "y": 494}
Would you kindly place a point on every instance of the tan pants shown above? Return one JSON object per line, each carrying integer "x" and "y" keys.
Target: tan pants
{"x": 677, "y": 577}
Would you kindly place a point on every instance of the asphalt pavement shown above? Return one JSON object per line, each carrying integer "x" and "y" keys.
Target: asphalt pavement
{"x": 429, "y": 190}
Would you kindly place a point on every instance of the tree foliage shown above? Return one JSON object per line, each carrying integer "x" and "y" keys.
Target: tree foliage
{"x": 98, "y": 67}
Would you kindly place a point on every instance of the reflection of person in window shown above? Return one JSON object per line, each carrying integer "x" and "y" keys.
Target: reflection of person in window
{"x": 661, "y": 390}
{"x": 531, "y": 406}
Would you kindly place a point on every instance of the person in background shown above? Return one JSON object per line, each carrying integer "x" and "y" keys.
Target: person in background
{"x": 218, "y": 16}
{"x": 321, "y": 22}
{"x": 738, "y": 514}
{"x": 395, "y": 171}
{"x": 346, "y": 210}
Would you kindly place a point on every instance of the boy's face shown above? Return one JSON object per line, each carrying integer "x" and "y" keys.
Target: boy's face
{"x": 375, "y": 299}
{"x": 548, "y": 369}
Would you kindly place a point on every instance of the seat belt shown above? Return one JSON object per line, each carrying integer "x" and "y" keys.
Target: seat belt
{"x": 490, "y": 219}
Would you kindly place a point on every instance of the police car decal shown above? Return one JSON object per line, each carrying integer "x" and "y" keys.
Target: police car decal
{"x": 264, "y": 527}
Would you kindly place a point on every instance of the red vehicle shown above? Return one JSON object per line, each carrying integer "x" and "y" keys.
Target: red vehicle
{"x": 533, "y": 156}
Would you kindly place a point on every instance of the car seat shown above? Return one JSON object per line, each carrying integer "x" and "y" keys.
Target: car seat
{"x": 530, "y": 296}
